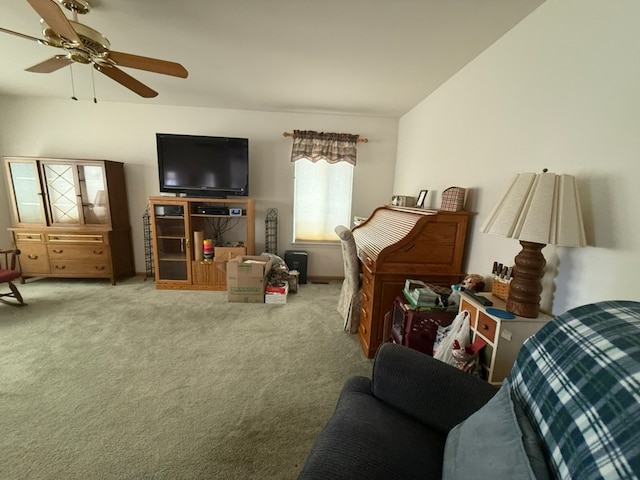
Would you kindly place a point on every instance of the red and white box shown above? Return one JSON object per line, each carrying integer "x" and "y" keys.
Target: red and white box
{"x": 276, "y": 294}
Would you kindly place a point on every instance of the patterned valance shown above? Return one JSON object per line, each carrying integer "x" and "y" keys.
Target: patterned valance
{"x": 332, "y": 147}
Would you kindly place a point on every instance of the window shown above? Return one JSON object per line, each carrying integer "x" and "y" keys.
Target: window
{"x": 322, "y": 199}
{"x": 323, "y": 178}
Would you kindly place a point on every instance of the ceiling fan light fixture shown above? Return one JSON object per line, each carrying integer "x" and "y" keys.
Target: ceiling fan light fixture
{"x": 85, "y": 45}
{"x": 80, "y": 7}
{"x": 79, "y": 56}
{"x": 91, "y": 39}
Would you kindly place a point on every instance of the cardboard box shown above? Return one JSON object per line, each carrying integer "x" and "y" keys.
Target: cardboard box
{"x": 277, "y": 295}
{"x": 247, "y": 278}
{"x": 224, "y": 254}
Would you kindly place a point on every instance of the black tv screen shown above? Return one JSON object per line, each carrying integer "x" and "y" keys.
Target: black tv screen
{"x": 197, "y": 165}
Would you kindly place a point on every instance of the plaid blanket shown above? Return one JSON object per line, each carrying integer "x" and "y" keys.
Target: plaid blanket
{"x": 578, "y": 379}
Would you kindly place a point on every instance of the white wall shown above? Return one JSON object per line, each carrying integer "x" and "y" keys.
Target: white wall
{"x": 559, "y": 91}
{"x": 126, "y": 133}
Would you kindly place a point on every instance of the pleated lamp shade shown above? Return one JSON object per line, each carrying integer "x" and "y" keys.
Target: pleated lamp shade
{"x": 537, "y": 209}
{"x": 542, "y": 208}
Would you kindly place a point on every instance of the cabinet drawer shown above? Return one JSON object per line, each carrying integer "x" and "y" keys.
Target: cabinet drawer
{"x": 74, "y": 267}
{"x": 473, "y": 312}
{"x": 28, "y": 237}
{"x": 33, "y": 258}
{"x": 75, "y": 238}
{"x": 81, "y": 253}
{"x": 486, "y": 326}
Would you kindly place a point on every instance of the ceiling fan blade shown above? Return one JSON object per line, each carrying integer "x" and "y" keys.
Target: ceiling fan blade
{"x": 51, "y": 65}
{"x": 53, "y": 16}
{"x": 28, "y": 37}
{"x": 148, "y": 64}
{"x": 126, "y": 80}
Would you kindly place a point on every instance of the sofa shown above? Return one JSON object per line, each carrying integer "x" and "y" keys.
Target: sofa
{"x": 570, "y": 408}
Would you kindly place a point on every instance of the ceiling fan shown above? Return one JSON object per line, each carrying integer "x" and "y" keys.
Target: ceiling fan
{"x": 85, "y": 45}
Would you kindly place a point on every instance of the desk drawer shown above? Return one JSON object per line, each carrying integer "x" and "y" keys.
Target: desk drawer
{"x": 365, "y": 314}
{"x": 366, "y": 304}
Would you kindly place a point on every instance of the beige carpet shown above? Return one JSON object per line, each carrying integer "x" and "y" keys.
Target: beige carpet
{"x": 130, "y": 382}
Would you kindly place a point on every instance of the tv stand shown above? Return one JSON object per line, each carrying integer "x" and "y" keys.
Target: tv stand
{"x": 174, "y": 222}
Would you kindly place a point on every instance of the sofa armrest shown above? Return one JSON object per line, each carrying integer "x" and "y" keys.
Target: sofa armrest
{"x": 433, "y": 392}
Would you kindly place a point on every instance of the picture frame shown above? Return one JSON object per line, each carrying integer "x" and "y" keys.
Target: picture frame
{"x": 421, "y": 198}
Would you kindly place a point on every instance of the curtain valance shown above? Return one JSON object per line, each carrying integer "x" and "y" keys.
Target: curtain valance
{"x": 331, "y": 147}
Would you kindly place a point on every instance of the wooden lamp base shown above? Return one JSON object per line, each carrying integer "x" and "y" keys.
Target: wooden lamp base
{"x": 526, "y": 286}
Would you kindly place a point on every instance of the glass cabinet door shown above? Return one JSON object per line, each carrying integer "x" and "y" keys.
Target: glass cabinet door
{"x": 62, "y": 192}
{"x": 27, "y": 193}
{"x": 93, "y": 194}
{"x": 172, "y": 243}
{"x": 76, "y": 193}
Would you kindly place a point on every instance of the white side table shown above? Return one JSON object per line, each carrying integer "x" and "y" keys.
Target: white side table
{"x": 504, "y": 337}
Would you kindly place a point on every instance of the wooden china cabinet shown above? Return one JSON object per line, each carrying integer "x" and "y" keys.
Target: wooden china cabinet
{"x": 70, "y": 217}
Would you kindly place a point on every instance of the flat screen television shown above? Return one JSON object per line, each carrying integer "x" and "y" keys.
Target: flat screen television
{"x": 201, "y": 166}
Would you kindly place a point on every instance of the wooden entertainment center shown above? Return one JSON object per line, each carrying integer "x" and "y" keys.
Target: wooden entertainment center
{"x": 174, "y": 221}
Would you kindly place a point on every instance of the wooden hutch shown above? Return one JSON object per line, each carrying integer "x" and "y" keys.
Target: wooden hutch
{"x": 70, "y": 217}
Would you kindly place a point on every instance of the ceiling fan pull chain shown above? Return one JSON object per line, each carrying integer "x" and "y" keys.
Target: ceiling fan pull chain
{"x": 73, "y": 87}
{"x": 93, "y": 82}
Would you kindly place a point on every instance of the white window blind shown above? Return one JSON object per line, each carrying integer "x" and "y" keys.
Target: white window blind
{"x": 322, "y": 199}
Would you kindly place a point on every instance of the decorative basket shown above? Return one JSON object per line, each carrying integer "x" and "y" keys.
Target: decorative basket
{"x": 453, "y": 199}
{"x": 500, "y": 289}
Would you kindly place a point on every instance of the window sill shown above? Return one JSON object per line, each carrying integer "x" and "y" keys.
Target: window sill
{"x": 312, "y": 243}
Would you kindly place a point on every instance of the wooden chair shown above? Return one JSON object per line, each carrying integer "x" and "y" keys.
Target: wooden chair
{"x": 9, "y": 273}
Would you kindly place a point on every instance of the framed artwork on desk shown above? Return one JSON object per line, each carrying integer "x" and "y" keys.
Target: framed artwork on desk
{"x": 421, "y": 198}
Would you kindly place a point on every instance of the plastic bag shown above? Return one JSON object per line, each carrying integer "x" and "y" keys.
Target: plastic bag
{"x": 459, "y": 332}
{"x": 441, "y": 334}
{"x": 466, "y": 358}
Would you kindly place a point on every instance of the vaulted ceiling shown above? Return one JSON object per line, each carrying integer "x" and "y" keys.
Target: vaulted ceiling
{"x": 378, "y": 57}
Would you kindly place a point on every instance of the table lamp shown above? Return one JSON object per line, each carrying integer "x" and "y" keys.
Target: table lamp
{"x": 101, "y": 199}
{"x": 537, "y": 209}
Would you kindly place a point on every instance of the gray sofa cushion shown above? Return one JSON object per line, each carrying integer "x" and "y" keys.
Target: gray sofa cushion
{"x": 432, "y": 392}
{"x": 489, "y": 444}
{"x": 366, "y": 438}
{"x": 395, "y": 425}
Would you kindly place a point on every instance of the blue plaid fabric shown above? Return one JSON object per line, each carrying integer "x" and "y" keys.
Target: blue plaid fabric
{"x": 578, "y": 379}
